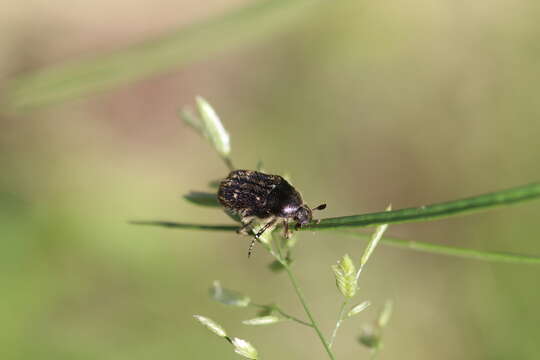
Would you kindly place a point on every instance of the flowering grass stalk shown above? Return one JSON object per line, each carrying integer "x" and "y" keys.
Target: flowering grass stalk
{"x": 347, "y": 275}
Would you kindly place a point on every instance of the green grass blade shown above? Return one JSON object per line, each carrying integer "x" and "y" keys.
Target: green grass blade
{"x": 451, "y": 250}
{"x": 423, "y": 213}
{"x": 101, "y": 72}
{"x": 187, "y": 226}
{"x": 434, "y": 211}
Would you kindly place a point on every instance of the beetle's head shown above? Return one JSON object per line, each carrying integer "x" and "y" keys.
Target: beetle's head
{"x": 304, "y": 215}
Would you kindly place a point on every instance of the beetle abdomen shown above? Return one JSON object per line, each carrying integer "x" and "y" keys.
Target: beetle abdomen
{"x": 246, "y": 192}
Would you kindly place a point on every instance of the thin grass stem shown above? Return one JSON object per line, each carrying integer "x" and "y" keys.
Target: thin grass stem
{"x": 302, "y": 299}
{"x": 341, "y": 314}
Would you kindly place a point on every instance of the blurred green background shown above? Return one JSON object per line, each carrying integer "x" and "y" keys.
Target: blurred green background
{"x": 362, "y": 103}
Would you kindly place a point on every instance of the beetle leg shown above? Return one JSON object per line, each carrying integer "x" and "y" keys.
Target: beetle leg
{"x": 286, "y": 232}
{"x": 265, "y": 227}
{"x": 259, "y": 233}
{"x": 245, "y": 228}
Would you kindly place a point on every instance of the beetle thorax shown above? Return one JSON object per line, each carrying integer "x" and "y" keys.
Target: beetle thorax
{"x": 289, "y": 211}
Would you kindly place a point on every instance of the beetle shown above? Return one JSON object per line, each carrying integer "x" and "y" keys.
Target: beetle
{"x": 255, "y": 195}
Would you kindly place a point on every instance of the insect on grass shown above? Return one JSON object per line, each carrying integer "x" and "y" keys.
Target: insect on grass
{"x": 255, "y": 195}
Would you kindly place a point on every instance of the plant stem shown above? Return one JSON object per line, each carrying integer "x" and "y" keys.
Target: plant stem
{"x": 338, "y": 322}
{"x": 290, "y": 317}
{"x": 300, "y": 295}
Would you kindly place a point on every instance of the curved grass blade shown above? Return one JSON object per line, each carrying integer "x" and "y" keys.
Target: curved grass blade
{"x": 434, "y": 211}
{"x": 102, "y": 72}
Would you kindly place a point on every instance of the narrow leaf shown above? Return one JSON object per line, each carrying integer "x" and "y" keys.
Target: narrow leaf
{"x": 263, "y": 320}
{"x": 203, "y": 199}
{"x": 228, "y": 297}
{"x": 356, "y": 309}
{"x": 244, "y": 348}
{"x": 211, "y": 325}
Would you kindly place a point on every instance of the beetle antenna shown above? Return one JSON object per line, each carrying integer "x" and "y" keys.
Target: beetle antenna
{"x": 320, "y": 207}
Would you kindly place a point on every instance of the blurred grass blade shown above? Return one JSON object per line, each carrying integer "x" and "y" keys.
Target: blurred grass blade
{"x": 102, "y": 72}
{"x": 434, "y": 211}
{"x": 228, "y": 297}
{"x": 202, "y": 198}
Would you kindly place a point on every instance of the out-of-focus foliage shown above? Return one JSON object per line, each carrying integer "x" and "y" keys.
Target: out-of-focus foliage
{"x": 363, "y": 103}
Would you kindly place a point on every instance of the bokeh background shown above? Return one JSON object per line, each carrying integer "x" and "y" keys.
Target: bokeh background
{"x": 362, "y": 103}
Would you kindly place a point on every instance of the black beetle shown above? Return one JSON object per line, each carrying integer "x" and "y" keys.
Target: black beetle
{"x": 255, "y": 195}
